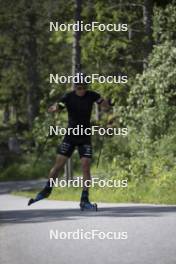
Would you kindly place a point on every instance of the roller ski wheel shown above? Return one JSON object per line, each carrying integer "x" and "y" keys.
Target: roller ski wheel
{"x": 88, "y": 206}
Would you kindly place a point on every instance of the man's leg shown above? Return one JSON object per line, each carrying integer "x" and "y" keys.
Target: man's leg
{"x": 59, "y": 163}
{"x": 53, "y": 174}
{"x": 85, "y": 152}
{"x": 85, "y": 163}
{"x": 64, "y": 151}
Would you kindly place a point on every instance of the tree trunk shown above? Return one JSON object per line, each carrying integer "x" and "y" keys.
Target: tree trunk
{"x": 76, "y": 49}
{"x": 147, "y": 16}
{"x": 76, "y": 66}
{"x": 6, "y": 114}
{"x": 31, "y": 64}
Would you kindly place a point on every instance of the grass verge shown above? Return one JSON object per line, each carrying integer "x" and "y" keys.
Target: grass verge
{"x": 145, "y": 192}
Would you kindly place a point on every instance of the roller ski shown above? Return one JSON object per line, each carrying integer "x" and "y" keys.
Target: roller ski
{"x": 88, "y": 206}
{"x": 85, "y": 204}
{"x": 41, "y": 195}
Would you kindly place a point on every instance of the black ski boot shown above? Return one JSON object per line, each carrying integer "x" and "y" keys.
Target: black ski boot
{"x": 85, "y": 204}
{"x": 41, "y": 195}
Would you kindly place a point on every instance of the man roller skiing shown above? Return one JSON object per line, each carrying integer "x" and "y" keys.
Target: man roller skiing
{"x": 79, "y": 105}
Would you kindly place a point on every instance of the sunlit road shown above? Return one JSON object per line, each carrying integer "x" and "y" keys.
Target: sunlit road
{"x": 25, "y": 233}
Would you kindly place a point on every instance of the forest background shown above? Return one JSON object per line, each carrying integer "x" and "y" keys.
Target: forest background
{"x": 29, "y": 52}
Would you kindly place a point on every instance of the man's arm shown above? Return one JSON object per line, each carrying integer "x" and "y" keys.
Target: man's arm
{"x": 56, "y": 107}
{"x": 53, "y": 108}
{"x": 105, "y": 103}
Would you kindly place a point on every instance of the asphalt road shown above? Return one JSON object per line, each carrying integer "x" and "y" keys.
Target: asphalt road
{"x": 25, "y": 233}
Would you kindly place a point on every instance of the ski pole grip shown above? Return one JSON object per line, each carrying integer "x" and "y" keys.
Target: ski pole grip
{"x": 111, "y": 102}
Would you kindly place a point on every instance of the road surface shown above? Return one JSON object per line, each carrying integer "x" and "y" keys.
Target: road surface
{"x": 150, "y": 233}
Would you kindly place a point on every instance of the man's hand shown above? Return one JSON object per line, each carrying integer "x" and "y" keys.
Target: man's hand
{"x": 107, "y": 103}
{"x": 53, "y": 108}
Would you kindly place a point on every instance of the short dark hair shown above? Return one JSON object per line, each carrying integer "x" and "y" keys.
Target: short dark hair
{"x": 81, "y": 80}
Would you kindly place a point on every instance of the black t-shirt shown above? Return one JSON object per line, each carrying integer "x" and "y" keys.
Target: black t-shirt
{"x": 79, "y": 107}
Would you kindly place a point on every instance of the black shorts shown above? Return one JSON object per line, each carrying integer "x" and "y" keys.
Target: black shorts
{"x": 67, "y": 148}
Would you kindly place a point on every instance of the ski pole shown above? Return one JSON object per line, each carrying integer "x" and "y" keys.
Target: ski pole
{"x": 111, "y": 103}
{"x": 40, "y": 151}
{"x": 101, "y": 147}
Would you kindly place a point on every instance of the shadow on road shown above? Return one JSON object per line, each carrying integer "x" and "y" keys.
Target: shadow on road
{"x": 51, "y": 215}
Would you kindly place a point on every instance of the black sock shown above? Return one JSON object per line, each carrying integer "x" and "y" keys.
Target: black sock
{"x": 48, "y": 186}
{"x": 46, "y": 191}
{"x": 85, "y": 196}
